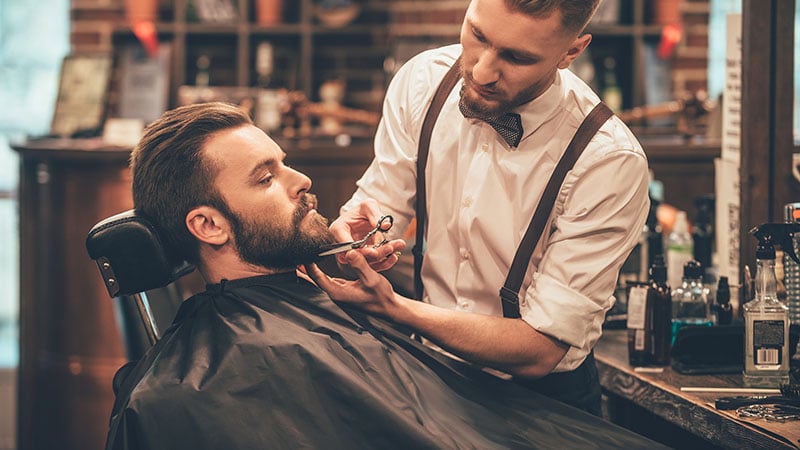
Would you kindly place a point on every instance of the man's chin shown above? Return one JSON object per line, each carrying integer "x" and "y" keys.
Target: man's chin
{"x": 481, "y": 107}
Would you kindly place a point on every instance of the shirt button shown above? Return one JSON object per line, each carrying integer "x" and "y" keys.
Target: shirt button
{"x": 485, "y": 146}
{"x": 467, "y": 202}
{"x": 465, "y": 254}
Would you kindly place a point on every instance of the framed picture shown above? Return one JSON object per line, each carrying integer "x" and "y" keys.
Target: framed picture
{"x": 143, "y": 82}
{"x": 82, "y": 92}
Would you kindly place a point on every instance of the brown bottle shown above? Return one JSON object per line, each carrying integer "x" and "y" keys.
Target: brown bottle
{"x": 640, "y": 320}
{"x": 659, "y": 299}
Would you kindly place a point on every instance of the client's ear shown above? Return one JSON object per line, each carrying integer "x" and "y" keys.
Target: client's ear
{"x": 208, "y": 225}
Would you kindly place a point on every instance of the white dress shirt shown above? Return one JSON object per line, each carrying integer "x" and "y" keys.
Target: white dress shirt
{"x": 481, "y": 196}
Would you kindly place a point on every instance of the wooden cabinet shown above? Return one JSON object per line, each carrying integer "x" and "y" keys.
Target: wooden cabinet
{"x": 686, "y": 171}
{"x": 637, "y": 26}
{"x": 70, "y": 346}
{"x": 306, "y": 50}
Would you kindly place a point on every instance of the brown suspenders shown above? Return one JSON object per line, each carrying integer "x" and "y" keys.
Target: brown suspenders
{"x": 509, "y": 292}
{"x": 448, "y": 82}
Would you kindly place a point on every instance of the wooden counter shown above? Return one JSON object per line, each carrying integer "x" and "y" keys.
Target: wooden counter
{"x": 660, "y": 394}
{"x": 70, "y": 346}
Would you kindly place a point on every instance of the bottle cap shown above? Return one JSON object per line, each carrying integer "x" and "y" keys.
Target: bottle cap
{"x": 693, "y": 270}
{"x": 658, "y": 270}
{"x": 723, "y": 291}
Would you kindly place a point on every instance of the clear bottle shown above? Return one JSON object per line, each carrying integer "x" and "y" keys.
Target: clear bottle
{"x": 766, "y": 319}
{"x": 679, "y": 249}
{"x": 690, "y": 301}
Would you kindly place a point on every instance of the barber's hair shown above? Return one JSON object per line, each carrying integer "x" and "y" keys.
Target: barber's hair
{"x": 575, "y": 14}
{"x": 171, "y": 175}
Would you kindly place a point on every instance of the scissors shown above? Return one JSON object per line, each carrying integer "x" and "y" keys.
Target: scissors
{"x": 384, "y": 225}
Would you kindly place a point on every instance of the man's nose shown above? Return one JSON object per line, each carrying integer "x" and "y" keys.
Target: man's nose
{"x": 485, "y": 70}
{"x": 301, "y": 183}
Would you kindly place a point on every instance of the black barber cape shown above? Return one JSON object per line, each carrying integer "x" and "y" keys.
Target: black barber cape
{"x": 271, "y": 362}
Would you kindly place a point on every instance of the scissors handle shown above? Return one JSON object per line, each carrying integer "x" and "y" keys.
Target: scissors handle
{"x": 384, "y": 225}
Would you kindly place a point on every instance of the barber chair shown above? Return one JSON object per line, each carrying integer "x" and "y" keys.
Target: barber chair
{"x": 139, "y": 274}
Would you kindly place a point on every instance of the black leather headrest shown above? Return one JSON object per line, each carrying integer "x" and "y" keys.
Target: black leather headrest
{"x": 131, "y": 256}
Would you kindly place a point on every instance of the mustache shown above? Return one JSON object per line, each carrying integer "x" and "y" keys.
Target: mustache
{"x": 307, "y": 202}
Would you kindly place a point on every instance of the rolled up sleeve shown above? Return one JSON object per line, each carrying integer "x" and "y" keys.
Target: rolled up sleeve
{"x": 566, "y": 315}
{"x": 592, "y": 233}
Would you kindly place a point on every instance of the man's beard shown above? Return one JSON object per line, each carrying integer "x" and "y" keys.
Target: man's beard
{"x": 278, "y": 246}
{"x": 487, "y": 110}
{"x": 479, "y": 107}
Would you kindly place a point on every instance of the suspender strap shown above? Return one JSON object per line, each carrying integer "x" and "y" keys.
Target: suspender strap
{"x": 442, "y": 92}
{"x": 509, "y": 293}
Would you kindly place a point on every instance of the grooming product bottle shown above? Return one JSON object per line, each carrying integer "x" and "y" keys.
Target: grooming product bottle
{"x": 655, "y": 236}
{"x": 703, "y": 231}
{"x": 791, "y": 270}
{"x": 659, "y": 299}
{"x": 724, "y": 311}
{"x": 690, "y": 302}
{"x": 766, "y": 318}
{"x": 640, "y": 325}
{"x": 679, "y": 249}
{"x": 703, "y": 240}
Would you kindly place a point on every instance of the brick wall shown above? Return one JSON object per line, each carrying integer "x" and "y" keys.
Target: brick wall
{"x": 690, "y": 63}
{"x": 405, "y": 27}
{"x": 92, "y": 24}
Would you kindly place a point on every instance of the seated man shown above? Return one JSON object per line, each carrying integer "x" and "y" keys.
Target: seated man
{"x": 263, "y": 358}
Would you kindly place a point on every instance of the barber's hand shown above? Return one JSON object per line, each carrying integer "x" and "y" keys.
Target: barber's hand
{"x": 371, "y": 292}
{"x": 357, "y": 223}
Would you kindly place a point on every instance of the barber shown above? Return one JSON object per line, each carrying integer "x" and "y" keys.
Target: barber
{"x": 484, "y": 182}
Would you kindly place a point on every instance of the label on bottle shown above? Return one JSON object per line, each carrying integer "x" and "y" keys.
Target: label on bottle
{"x": 638, "y": 340}
{"x": 767, "y": 342}
{"x": 637, "y": 307}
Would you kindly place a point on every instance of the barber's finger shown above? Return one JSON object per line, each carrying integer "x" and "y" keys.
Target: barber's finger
{"x": 370, "y": 209}
{"x": 386, "y": 263}
{"x": 381, "y": 252}
{"x": 365, "y": 273}
{"x": 322, "y": 279}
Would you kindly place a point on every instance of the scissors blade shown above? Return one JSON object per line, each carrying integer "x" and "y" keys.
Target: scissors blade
{"x": 333, "y": 249}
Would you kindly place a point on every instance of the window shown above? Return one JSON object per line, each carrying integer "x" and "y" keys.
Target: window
{"x": 34, "y": 37}
{"x": 716, "y": 53}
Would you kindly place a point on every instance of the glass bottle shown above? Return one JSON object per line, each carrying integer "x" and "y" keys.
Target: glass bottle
{"x": 640, "y": 320}
{"x": 690, "y": 302}
{"x": 766, "y": 321}
{"x": 679, "y": 249}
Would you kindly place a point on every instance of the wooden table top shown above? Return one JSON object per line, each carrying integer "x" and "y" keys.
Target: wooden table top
{"x": 661, "y": 394}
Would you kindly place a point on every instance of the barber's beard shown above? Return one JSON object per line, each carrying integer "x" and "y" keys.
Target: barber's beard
{"x": 480, "y": 107}
{"x": 278, "y": 246}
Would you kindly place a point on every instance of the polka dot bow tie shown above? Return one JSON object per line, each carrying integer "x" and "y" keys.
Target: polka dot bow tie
{"x": 508, "y": 126}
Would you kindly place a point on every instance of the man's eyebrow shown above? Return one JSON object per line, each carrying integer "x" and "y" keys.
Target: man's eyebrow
{"x": 267, "y": 164}
{"x": 516, "y": 51}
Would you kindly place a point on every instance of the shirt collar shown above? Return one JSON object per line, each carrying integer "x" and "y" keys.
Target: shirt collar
{"x": 541, "y": 109}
